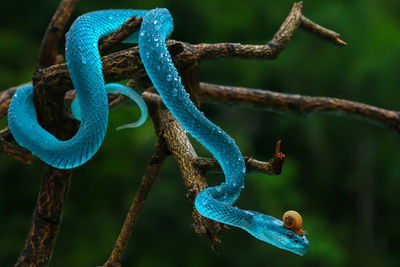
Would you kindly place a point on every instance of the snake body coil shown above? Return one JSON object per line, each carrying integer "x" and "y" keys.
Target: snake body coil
{"x": 85, "y": 69}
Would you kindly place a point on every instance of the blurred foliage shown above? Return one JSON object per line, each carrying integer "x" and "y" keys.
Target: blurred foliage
{"x": 341, "y": 174}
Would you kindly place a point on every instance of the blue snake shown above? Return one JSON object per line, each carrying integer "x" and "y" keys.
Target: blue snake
{"x": 84, "y": 65}
{"x": 91, "y": 107}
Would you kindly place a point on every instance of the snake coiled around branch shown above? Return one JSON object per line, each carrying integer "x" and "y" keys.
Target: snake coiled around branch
{"x": 85, "y": 68}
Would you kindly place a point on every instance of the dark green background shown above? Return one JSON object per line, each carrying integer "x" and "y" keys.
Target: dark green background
{"x": 341, "y": 174}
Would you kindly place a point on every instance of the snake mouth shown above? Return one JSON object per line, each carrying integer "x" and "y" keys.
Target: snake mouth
{"x": 298, "y": 251}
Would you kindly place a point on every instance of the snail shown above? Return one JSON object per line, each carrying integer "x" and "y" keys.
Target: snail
{"x": 292, "y": 220}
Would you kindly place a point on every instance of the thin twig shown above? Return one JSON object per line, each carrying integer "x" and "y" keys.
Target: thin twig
{"x": 5, "y": 99}
{"x": 16, "y": 152}
{"x": 54, "y": 33}
{"x": 321, "y": 32}
{"x": 141, "y": 195}
{"x": 130, "y": 26}
{"x": 272, "y": 167}
{"x": 273, "y": 48}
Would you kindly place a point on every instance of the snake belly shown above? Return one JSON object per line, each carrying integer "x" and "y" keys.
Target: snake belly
{"x": 213, "y": 202}
{"x": 85, "y": 68}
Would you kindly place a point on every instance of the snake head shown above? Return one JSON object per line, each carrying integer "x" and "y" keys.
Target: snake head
{"x": 273, "y": 231}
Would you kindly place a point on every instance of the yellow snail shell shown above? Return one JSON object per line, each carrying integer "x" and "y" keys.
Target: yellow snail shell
{"x": 292, "y": 220}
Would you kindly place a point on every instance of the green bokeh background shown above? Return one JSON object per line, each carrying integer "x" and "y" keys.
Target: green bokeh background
{"x": 341, "y": 174}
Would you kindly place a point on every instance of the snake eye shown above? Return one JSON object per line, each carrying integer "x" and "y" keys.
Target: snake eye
{"x": 290, "y": 235}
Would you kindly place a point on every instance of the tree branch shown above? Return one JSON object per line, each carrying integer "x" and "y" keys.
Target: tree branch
{"x": 49, "y": 207}
{"x": 183, "y": 152}
{"x": 54, "y": 33}
{"x": 46, "y": 218}
{"x": 272, "y": 167}
{"x": 273, "y": 48}
{"x": 5, "y": 99}
{"x": 130, "y": 26}
{"x": 126, "y": 64}
{"x": 321, "y": 32}
{"x": 299, "y": 104}
{"x": 16, "y": 152}
{"x": 141, "y": 195}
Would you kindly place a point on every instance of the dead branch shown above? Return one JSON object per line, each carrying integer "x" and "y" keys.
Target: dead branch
{"x": 126, "y": 64}
{"x": 273, "y": 48}
{"x": 321, "y": 32}
{"x": 10, "y": 149}
{"x": 5, "y": 99}
{"x": 272, "y": 167}
{"x": 130, "y": 26}
{"x": 179, "y": 145}
{"x": 46, "y": 218}
{"x": 49, "y": 207}
{"x": 141, "y": 195}
{"x": 54, "y": 33}
{"x": 299, "y": 104}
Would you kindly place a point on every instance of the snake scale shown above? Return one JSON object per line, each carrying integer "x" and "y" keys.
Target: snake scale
{"x": 91, "y": 108}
